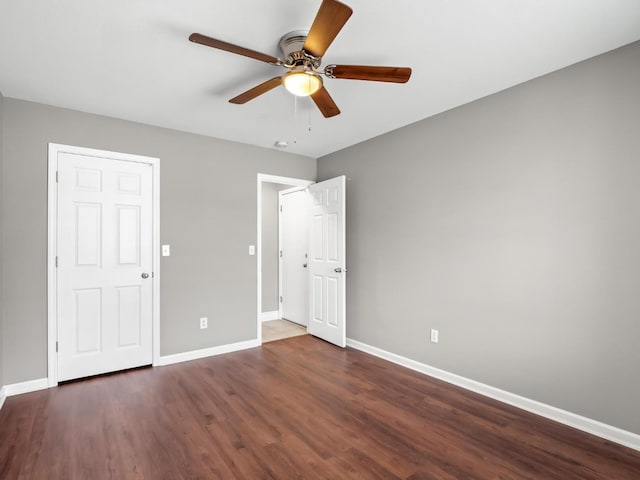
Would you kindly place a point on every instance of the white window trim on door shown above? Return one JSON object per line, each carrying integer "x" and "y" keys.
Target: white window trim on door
{"x": 264, "y": 178}
{"x": 52, "y": 219}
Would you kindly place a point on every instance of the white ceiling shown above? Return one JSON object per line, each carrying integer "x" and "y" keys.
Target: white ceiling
{"x": 131, "y": 59}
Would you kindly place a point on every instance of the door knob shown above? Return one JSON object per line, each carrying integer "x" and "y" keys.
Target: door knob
{"x": 339, "y": 270}
{"x": 304, "y": 265}
{"x": 145, "y": 275}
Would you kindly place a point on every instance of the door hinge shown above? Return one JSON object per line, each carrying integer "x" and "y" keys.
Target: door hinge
{"x": 56, "y": 345}
{"x": 280, "y": 298}
{"x": 56, "y": 176}
{"x": 280, "y": 253}
{"x": 56, "y": 261}
{"x": 153, "y": 274}
{"x": 280, "y": 207}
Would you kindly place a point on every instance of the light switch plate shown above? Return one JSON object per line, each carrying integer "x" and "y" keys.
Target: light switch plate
{"x": 252, "y": 249}
{"x": 166, "y": 250}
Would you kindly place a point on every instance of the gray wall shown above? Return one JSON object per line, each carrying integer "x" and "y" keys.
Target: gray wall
{"x": 1, "y": 207}
{"x": 512, "y": 225}
{"x": 270, "y": 245}
{"x": 208, "y": 216}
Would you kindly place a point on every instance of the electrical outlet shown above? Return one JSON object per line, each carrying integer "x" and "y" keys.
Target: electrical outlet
{"x": 204, "y": 323}
{"x": 434, "y": 335}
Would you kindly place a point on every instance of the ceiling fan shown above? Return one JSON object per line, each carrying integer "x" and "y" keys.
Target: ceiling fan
{"x": 302, "y": 52}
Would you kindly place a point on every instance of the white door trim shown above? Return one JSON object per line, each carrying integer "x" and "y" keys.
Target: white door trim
{"x": 52, "y": 218}
{"x": 264, "y": 178}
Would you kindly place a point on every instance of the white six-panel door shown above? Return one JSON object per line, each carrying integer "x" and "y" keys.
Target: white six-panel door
{"x": 327, "y": 261}
{"x": 104, "y": 273}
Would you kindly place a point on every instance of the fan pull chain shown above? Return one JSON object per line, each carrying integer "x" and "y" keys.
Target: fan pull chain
{"x": 295, "y": 118}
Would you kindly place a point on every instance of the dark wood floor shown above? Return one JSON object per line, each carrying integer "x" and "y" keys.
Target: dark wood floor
{"x": 295, "y": 408}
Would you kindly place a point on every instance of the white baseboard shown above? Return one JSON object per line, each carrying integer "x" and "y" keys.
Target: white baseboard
{"x": 266, "y": 316}
{"x": 205, "y": 352}
{"x": 26, "y": 387}
{"x": 43, "y": 383}
{"x": 585, "y": 424}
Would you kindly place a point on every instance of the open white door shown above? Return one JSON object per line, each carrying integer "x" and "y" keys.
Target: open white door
{"x": 327, "y": 261}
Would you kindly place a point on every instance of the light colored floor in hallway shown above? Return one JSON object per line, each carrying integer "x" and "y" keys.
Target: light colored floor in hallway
{"x": 279, "y": 329}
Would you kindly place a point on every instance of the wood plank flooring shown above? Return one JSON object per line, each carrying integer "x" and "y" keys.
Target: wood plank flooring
{"x": 292, "y": 409}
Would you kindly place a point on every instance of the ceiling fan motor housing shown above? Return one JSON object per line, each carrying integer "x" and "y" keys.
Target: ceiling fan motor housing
{"x": 291, "y": 48}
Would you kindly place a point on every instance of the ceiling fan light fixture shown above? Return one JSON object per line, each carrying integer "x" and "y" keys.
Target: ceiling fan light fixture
{"x": 302, "y": 83}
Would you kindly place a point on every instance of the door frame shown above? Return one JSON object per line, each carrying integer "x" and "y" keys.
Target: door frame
{"x": 52, "y": 227}
{"x": 264, "y": 178}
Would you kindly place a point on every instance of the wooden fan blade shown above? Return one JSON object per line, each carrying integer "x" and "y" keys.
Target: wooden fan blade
{"x": 229, "y": 47}
{"x": 256, "y": 91}
{"x": 374, "y": 74}
{"x": 329, "y": 20}
{"x": 325, "y": 103}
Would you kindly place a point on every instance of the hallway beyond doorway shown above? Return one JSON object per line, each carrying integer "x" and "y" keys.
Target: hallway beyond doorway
{"x": 278, "y": 329}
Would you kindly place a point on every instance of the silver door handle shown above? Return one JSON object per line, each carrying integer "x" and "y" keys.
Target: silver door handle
{"x": 339, "y": 270}
{"x": 145, "y": 275}
{"x": 304, "y": 265}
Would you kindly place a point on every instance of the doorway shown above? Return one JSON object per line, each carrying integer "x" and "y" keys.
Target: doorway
{"x": 268, "y": 261}
{"x": 324, "y": 277}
